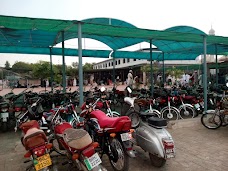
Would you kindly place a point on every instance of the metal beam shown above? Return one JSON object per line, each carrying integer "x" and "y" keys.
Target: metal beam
{"x": 163, "y": 68}
{"x": 216, "y": 67}
{"x": 63, "y": 65}
{"x": 205, "y": 73}
{"x": 80, "y": 69}
{"x": 52, "y": 79}
{"x": 151, "y": 71}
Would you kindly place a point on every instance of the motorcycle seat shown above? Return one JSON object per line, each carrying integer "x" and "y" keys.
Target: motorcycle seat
{"x": 189, "y": 97}
{"x": 77, "y": 138}
{"x": 34, "y": 137}
{"x": 115, "y": 123}
{"x": 28, "y": 125}
{"x": 157, "y": 122}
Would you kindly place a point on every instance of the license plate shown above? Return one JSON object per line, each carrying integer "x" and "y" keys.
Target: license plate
{"x": 4, "y": 116}
{"x": 197, "y": 106}
{"x": 43, "y": 161}
{"x": 92, "y": 161}
{"x": 202, "y": 104}
{"x": 125, "y": 136}
{"x": 170, "y": 153}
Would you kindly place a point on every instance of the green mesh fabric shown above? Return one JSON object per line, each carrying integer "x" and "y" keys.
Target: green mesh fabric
{"x": 32, "y": 33}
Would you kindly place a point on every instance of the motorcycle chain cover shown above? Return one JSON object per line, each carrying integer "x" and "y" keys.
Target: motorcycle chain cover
{"x": 158, "y": 122}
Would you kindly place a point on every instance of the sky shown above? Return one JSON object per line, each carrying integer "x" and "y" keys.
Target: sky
{"x": 149, "y": 14}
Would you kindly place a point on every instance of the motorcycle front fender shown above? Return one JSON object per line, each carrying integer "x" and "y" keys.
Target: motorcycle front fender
{"x": 128, "y": 145}
{"x": 4, "y": 116}
{"x": 184, "y": 105}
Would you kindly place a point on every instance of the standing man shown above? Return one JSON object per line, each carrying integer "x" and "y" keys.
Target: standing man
{"x": 130, "y": 78}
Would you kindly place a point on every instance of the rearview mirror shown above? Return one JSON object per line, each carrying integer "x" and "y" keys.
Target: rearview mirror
{"x": 129, "y": 90}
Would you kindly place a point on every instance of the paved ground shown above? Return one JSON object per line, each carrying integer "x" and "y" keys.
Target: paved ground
{"x": 197, "y": 149}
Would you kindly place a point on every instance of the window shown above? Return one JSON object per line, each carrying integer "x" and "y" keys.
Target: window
{"x": 119, "y": 61}
{"x": 112, "y": 64}
{"x": 109, "y": 64}
{"x": 134, "y": 59}
{"x": 123, "y": 60}
{"x": 116, "y": 62}
{"x": 128, "y": 60}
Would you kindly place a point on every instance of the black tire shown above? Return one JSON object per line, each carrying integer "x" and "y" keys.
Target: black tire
{"x": 57, "y": 147}
{"x": 214, "y": 120}
{"x": 173, "y": 114}
{"x": 189, "y": 113}
{"x": 119, "y": 154}
{"x": 4, "y": 126}
{"x": 134, "y": 117}
{"x": 157, "y": 161}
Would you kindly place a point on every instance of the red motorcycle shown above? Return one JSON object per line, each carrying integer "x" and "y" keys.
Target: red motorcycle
{"x": 78, "y": 145}
{"x": 36, "y": 143}
{"x": 113, "y": 135}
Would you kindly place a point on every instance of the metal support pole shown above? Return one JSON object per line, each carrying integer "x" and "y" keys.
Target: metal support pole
{"x": 2, "y": 79}
{"x": 113, "y": 69}
{"x": 80, "y": 69}
{"x": 63, "y": 65}
{"x": 163, "y": 68}
{"x": 216, "y": 69}
{"x": 151, "y": 70}
{"x": 52, "y": 79}
{"x": 205, "y": 74}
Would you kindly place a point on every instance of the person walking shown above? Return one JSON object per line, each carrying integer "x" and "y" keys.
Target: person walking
{"x": 130, "y": 78}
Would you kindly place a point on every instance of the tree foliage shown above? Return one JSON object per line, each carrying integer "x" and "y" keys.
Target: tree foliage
{"x": 88, "y": 66}
{"x": 177, "y": 73}
{"x": 22, "y": 67}
{"x": 7, "y": 65}
{"x": 146, "y": 68}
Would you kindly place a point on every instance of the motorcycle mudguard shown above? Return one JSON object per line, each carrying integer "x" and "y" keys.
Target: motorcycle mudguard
{"x": 150, "y": 139}
{"x": 186, "y": 104}
{"x": 210, "y": 111}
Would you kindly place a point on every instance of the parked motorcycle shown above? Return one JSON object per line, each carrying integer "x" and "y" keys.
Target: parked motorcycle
{"x": 79, "y": 147}
{"x": 38, "y": 149}
{"x": 113, "y": 135}
{"x": 151, "y": 136}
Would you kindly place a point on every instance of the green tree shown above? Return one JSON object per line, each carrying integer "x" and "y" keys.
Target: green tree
{"x": 7, "y": 65}
{"x": 22, "y": 67}
{"x": 88, "y": 66}
{"x": 174, "y": 72}
{"x": 75, "y": 64}
{"x": 146, "y": 68}
{"x": 42, "y": 70}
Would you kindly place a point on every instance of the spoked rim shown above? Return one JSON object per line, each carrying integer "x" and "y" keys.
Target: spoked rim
{"x": 211, "y": 120}
{"x": 187, "y": 112}
{"x": 119, "y": 165}
{"x": 171, "y": 114}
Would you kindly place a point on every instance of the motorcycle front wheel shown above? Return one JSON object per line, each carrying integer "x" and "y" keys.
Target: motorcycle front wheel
{"x": 157, "y": 161}
{"x": 134, "y": 117}
{"x": 119, "y": 159}
{"x": 170, "y": 114}
{"x": 211, "y": 120}
{"x": 187, "y": 112}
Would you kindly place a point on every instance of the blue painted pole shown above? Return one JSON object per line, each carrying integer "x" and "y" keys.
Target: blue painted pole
{"x": 63, "y": 65}
{"x": 151, "y": 70}
{"x": 80, "y": 69}
{"x": 205, "y": 74}
{"x": 52, "y": 79}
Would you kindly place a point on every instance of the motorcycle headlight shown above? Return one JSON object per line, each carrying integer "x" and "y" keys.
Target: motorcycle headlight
{"x": 4, "y": 110}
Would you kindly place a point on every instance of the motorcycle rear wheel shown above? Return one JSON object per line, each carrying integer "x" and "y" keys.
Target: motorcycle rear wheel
{"x": 57, "y": 148}
{"x": 211, "y": 120}
{"x": 122, "y": 163}
{"x": 157, "y": 161}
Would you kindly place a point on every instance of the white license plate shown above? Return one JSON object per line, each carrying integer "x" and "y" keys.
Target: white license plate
{"x": 92, "y": 161}
{"x": 170, "y": 153}
{"x": 125, "y": 136}
{"x": 202, "y": 104}
{"x": 4, "y": 116}
{"x": 197, "y": 106}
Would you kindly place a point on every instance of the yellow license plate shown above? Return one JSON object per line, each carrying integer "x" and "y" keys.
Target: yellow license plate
{"x": 43, "y": 161}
